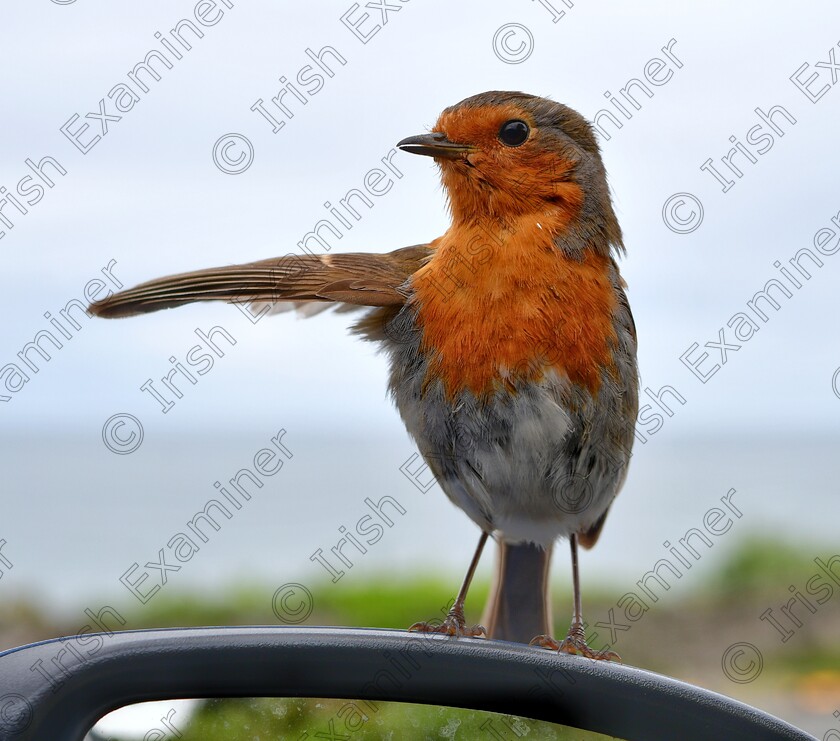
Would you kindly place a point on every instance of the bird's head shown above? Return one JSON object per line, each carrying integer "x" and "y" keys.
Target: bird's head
{"x": 505, "y": 155}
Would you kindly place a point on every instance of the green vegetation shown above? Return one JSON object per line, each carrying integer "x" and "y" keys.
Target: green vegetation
{"x": 376, "y": 602}
{"x": 763, "y": 567}
{"x": 759, "y": 569}
{"x": 268, "y": 719}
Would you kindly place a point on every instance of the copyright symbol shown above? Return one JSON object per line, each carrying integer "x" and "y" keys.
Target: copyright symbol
{"x": 15, "y": 713}
{"x": 122, "y": 433}
{"x": 573, "y": 495}
{"x": 233, "y": 154}
{"x": 682, "y": 213}
{"x": 835, "y": 383}
{"x": 742, "y": 663}
{"x": 513, "y": 43}
{"x": 292, "y": 604}
{"x": 396, "y": 332}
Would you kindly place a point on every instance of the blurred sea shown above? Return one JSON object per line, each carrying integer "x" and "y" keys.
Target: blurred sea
{"x": 76, "y": 517}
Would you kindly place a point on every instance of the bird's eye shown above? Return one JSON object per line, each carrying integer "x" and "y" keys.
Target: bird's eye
{"x": 513, "y": 133}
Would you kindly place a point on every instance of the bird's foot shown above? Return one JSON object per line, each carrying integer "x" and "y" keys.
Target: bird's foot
{"x": 575, "y": 644}
{"x": 454, "y": 624}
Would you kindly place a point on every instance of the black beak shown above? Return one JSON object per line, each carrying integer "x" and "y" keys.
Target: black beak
{"x": 435, "y": 145}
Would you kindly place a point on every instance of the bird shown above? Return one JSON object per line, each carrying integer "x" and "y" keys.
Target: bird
{"x": 510, "y": 340}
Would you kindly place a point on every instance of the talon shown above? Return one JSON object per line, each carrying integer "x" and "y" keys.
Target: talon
{"x": 545, "y": 641}
{"x": 579, "y": 648}
{"x": 453, "y": 624}
{"x": 422, "y": 627}
{"x": 574, "y": 644}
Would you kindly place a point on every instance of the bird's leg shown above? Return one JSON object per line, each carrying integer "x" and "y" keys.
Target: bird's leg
{"x": 575, "y": 641}
{"x": 455, "y": 623}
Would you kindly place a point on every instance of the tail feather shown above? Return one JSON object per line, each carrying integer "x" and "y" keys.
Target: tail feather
{"x": 365, "y": 279}
{"x": 589, "y": 538}
{"x": 519, "y": 606}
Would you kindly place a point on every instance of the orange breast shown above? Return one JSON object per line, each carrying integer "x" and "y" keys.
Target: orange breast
{"x": 494, "y": 309}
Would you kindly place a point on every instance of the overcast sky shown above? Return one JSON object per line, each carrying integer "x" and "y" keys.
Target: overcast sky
{"x": 148, "y": 195}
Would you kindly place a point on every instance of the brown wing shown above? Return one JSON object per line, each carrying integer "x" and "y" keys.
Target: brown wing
{"x": 589, "y": 538}
{"x": 359, "y": 278}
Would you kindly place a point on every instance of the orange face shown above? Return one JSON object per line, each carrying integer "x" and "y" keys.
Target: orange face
{"x": 500, "y": 179}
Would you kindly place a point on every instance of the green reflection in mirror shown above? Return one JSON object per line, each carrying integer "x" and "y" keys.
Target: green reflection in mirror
{"x": 268, "y": 719}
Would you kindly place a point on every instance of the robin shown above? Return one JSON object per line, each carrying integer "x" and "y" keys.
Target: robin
{"x": 512, "y": 347}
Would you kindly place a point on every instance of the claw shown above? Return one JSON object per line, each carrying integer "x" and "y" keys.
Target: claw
{"x": 545, "y": 641}
{"x": 454, "y": 624}
{"x": 574, "y": 644}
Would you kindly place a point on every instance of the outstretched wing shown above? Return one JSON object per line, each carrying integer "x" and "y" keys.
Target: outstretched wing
{"x": 359, "y": 278}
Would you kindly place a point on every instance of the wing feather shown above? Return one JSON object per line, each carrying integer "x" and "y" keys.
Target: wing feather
{"x": 359, "y": 278}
